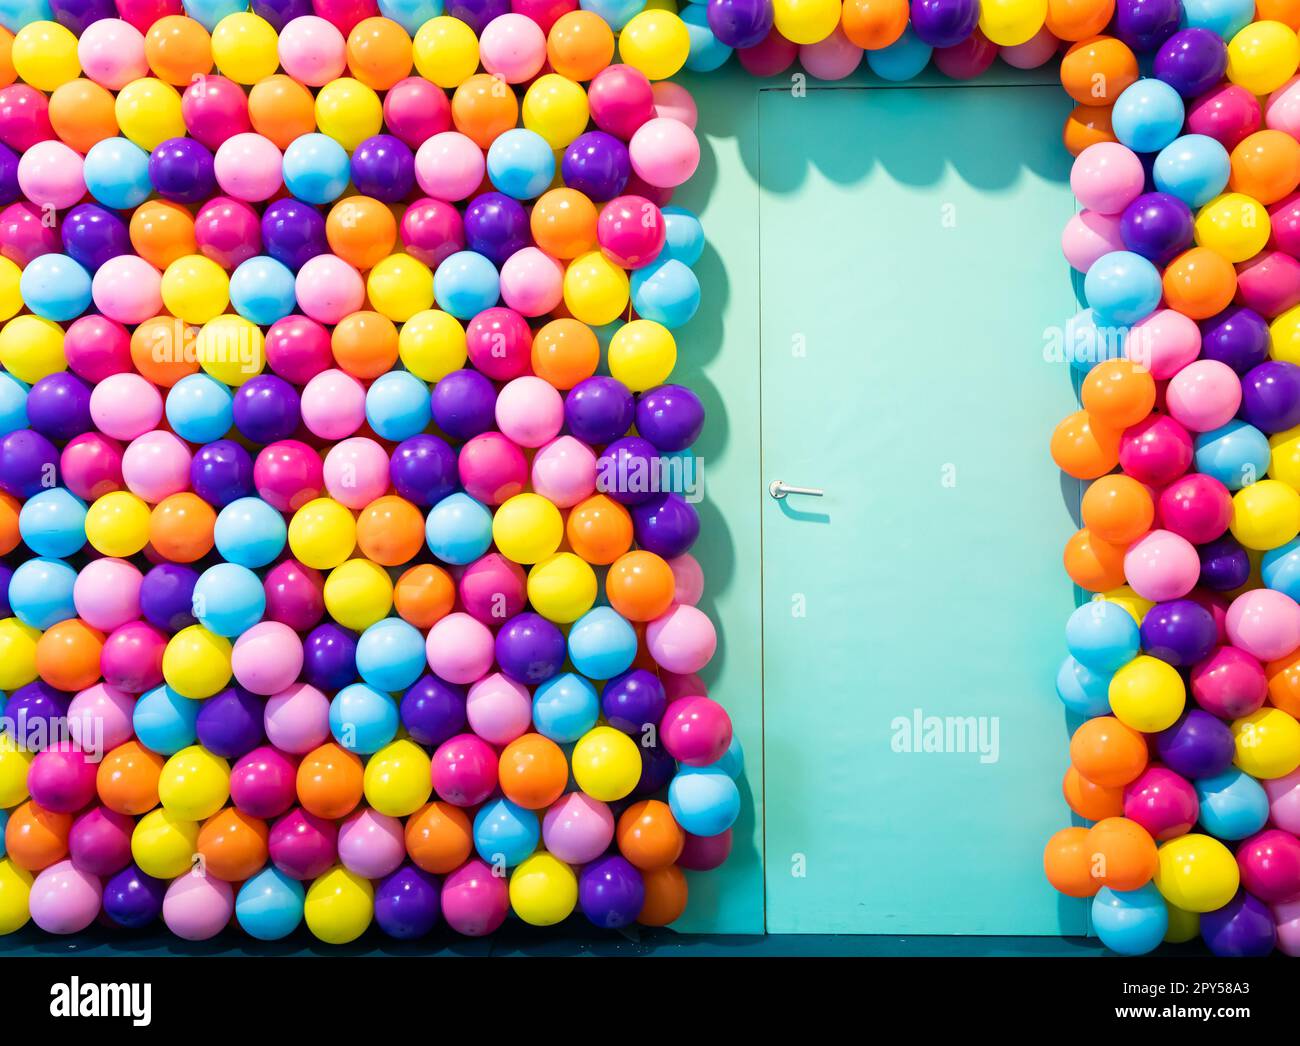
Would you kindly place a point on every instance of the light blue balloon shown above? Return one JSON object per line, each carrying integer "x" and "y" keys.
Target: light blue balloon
{"x": 56, "y": 287}
{"x": 459, "y": 529}
{"x": 13, "y": 404}
{"x": 209, "y": 12}
{"x": 1233, "y": 804}
{"x": 317, "y": 169}
{"x": 521, "y": 164}
{"x": 1280, "y": 568}
{"x": 616, "y": 12}
{"x": 683, "y": 236}
{"x": 261, "y": 290}
{"x": 667, "y": 292}
{"x": 1102, "y": 636}
{"x": 565, "y": 707}
{"x": 40, "y": 592}
{"x": 363, "y": 719}
{"x": 410, "y": 14}
{"x": 1148, "y": 115}
{"x": 165, "y": 722}
{"x": 390, "y": 655}
{"x": 901, "y": 60}
{"x": 1194, "y": 168}
{"x": 732, "y": 762}
{"x": 1122, "y": 287}
{"x": 1236, "y": 454}
{"x": 1088, "y": 343}
{"x": 505, "y": 833}
{"x": 1225, "y": 17}
{"x": 398, "y": 405}
{"x": 602, "y": 643}
{"x": 1083, "y": 691}
{"x": 707, "y": 51}
{"x": 704, "y": 800}
{"x": 53, "y": 523}
{"x": 250, "y": 532}
{"x": 117, "y": 174}
{"x": 200, "y": 408}
{"x": 14, "y": 14}
{"x": 465, "y": 284}
{"x": 270, "y": 905}
{"x": 1131, "y": 922}
{"x": 228, "y": 599}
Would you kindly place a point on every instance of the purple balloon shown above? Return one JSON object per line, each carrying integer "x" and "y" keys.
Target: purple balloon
{"x": 657, "y": 769}
{"x": 77, "y": 14}
{"x": 6, "y": 575}
{"x": 1146, "y": 24}
{"x": 181, "y": 170}
{"x": 423, "y": 469}
{"x": 167, "y": 596}
{"x": 1197, "y": 745}
{"x": 496, "y": 226}
{"x": 1157, "y": 226}
{"x": 611, "y": 892}
{"x": 599, "y": 410}
{"x": 477, "y": 13}
{"x": 632, "y": 699}
{"x": 1180, "y": 632}
{"x": 530, "y": 649}
{"x": 222, "y": 472}
{"x": 628, "y": 470}
{"x": 407, "y": 903}
{"x": 666, "y": 525}
{"x": 596, "y": 164}
{"x": 944, "y": 23}
{"x": 132, "y": 899}
{"x": 464, "y": 404}
{"x": 230, "y": 723}
{"x": 329, "y": 657}
{"x": 1225, "y": 565}
{"x": 58, "y": 406}
{"x": 384, "y": 167}
{"x": 433, "y": 710}
{"x": 281, "y": 12}
{"x": 1270, "y": 396}
{"x": 1192, "y": 61}
{"x": 740, "y": 23}
{"x": 1242, "y": 929}
{"x": 1237, "y": 336}
{"x": 670, "y": 416}
{"x": 28, "y": 462}
{"x": 293, "y": 232}
{"x": 35, "y": 710}
{"x": 93, "y": 234}
{"x": 266, "y": 409}
{"x": 9, "y": 188}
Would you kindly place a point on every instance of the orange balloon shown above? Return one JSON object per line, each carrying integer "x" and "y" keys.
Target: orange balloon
{"x": 178, "y": 49}
{"x": 1089, "y": 800}
{"x": 1085, "y": 448}
{"x": 565, "y": 352}
{"x": 365, "y": 344}
{"x": 1087, "y": 125}
{"x": 1065, "y": 861}
{"x": 181, "y": 527}
{"x": 1097, "y": 71}
{"x": 640, "y": 586}
{"x": 1265, "y": 165}
{"x": 563, "y": 223}
{"x": 873, "y": 24}
{"x": 649, "y": 836}
{"x": 330, "y": 781}
{"x": 424, "y": 595}
{"x": 533, "y": 771}
{"x": 1107, "y": 752}
{"x": 379, "y": 52}
{"x": 8, "y": 74}
{"x": 599, "y": 529}
{"x": 281, "y": 109}
{"x": 1117, "y": 509}
{"x": 1200, "y": 283}
{"x": 162, "y": 231}
{"x": 127, "y": 779}
{"x": 361, "y": 230}
{"x": 1118, "y": 393}
{"x": 233, "y": 845}
{"x": 1285, "y": 11}
{"x": 163, "y": 350}
{"x": 665, "y": 896}
{"x": 1284, "y": 684}
{"x": 580, "y": 45}
{"x": 10, "y": 536}
{"x": 1122, "y": 853}
{"x": 439, "y": 838}
{"x": 390, "y": 531}
{"x": 1093, "y": 564}
{"x": 1078, "y": 19}
{"x": 35, "y": 837}
{"x": 483, "y": 108}
{"x": 81, "y": 113}
{"x": 67, "y": 655}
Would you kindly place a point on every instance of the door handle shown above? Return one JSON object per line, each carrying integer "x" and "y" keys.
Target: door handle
{"x": 779, "y": 489}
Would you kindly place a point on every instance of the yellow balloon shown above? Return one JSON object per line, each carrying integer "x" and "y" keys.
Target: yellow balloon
{"x": 231, "y": 349}
{"x": 1265, "y": 515}
{"x": 1125, "y": 597}
{"x": 543, "y": 890}
{"x": 148, "y": 112}
{"x": 163, "y": 845}
{"x": 656, "y": 42}
{"x": 527, "y": 528}
{"x": 1183, "y": 926}
{"x": 1147, "y": 694}
{"x": 1233, "y": 225}
{"x": 15, "y": 889}
{"x": 397, "y": 780}
{"x": 194, "y": 784}
{"x": 606, "y": 764}
{"x": 1268, "y": 743}
{"x": 1284, "y": 336}
{"x": 806, "y": 21}
{"x": 1263, "y": 56}
{"x": 31, "y": 348}
{"x": 595, "y": 289}
{"x": 44, "y": 54}
{"x": 556, "y": 108}
{"x": 117, "y": 524}
{"x": 432, "y": 345}
{"x": 196, "y": 663}
{"x": 339, "y": 906}
{"x": 1196, "y": 873}
{"x": 446, "y": 51}
{"x": 245, "y": 48}
{"x": 1284, "y": 457}
{"x": 195, "y": 288}
{"x": 14, "y": 764}
{"x": 322, "y": 534}
{"x": 358, "y": 593}
{"x": 11, "y": 297}
{"x": 642, "y": 354}
{"x": 562, "y": 588}
{"x": 400, "y": 287}
{"x": 17, "y": 655}
{"x": 349, "y": 112}
{"x": 1011, "y": 22}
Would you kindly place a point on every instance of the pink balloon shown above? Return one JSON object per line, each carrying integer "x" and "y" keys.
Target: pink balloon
{"x": 1288, "y": 927}
{"x": 127, "y": 289}
{"x": 683, "y": 639}
{"x": 498, "y": 709}
{"x": 512, "y": 47}
{"x": 333, "y": 405}
{"x": 621, "y": 100}
{"x": 1107, "y": 177}
{"x": 1165, "y": 342}
{"x": 197, "y": 907}
{"x": 1195, "y": 506}
{"x": 696, "y": 731}
{"x": 267, "y": 658}
{"x": 1089, "y": 235}
{"x": 107, "y": 593}
{"x": 1203, "y": 395}
{"x": 156, "y": 465}
{"x": 1269, "y": 283}
{"x": 1264, "y": 623}
{"x": 328, "y": 288}
{"x": 532, "y": 282}
{"x": 1161, "y": 565}
{"x": 125, "y": 406}
{"x": 674, "y": 102}
{"x": 475, "y": 900}
{"x": 49, "y": 174}
{"x": 371, "y": 844}
{"x": 297, "y": 719}
{"x": 564, "y": 471}
{"x": 1162, "y": 802}
{"x": 1227, "y": 113}
{"x": 688, "y": 579}
{"x": 460, "y": 649}
{"x": 249, "y": 167}
{"x": 464, "y": 770}
{"x": 577, "y": 828}
{"x": 530, "y": 411}
{"x": 449, "y": 166}
{"x": 1270, "y": 866}
{"x": 100, "y": 841}
{"x": 312, "y": 50}
{"x": 1282, "y": 111}
{"x": 1284, "y": 801}
{"x": 492, "y": 468}
{"x": 64, "y": 899}
{"x": 665, "y": 153}
{"x": 100, "y": 718}
{"x": 111, "y": 52}
{"x": 832, "y": 58}
{"x": 1038, "y": 50}
{"x": 356, "y": 472}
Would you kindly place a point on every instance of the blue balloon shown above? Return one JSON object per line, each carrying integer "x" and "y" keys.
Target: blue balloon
{"x": 704, "y": 800}
{"x": 398, "y": 405}
{"x": 683, "y": 236}
{"x": 53, "y": 523}
{"x": 165, "y": 722}
{"x": 200, "y": 409}
{"x": 616, "y": 12}
{"x": 1225, "y": 17}
{"x": 1148, "y": 115}
{"x": 13, "y": 404}
{"x": 270, "y": 905}
{"x": 707, "y": 51}
{"x": 229, "y": 599}
{"x": 1233, "y": 804}
{"x": 316, "y": 168}
{"x": 565, "y": 707}
{"x": 40, "y": 592}
{"x": 1083, "y": 691}
{"x": 465, "y": 284}
{"x": 250, "y": 532}
{"x": 602, "y": 643}
{"x": 1194, "y": 168}
{"x": 56, "y": 287}
{"x": 1131, "y": 922}
{"x": 262, "y": 290}
{"x": 505, "y": 833}
{"x": 116, "y": 172}
{"x": 1280, "y": 568}
{"x": 363, "y": 719}
{"x": 209, "y": 12}
{"x": 520, "y": 163}
{"x": 390, "y": 655}
{"x": 732, "y": 762}
{"x": 14, "y": 14}
{"x": 667, "y": 292}
{"x": 1089, "y": 342}
{"x": 1236, "y": 454}
{"x": 1102, "y": 636}
{"x": 901, "y": 60}
{"x": 458, "y": 529}
{"x": 1122, "y": 287}
{"x": 410, "y": 14}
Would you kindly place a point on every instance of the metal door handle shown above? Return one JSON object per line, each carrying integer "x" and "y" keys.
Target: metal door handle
{"x": 779, "y": 489}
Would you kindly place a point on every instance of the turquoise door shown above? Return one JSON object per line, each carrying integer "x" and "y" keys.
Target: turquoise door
{"x": 911, "y": 280}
